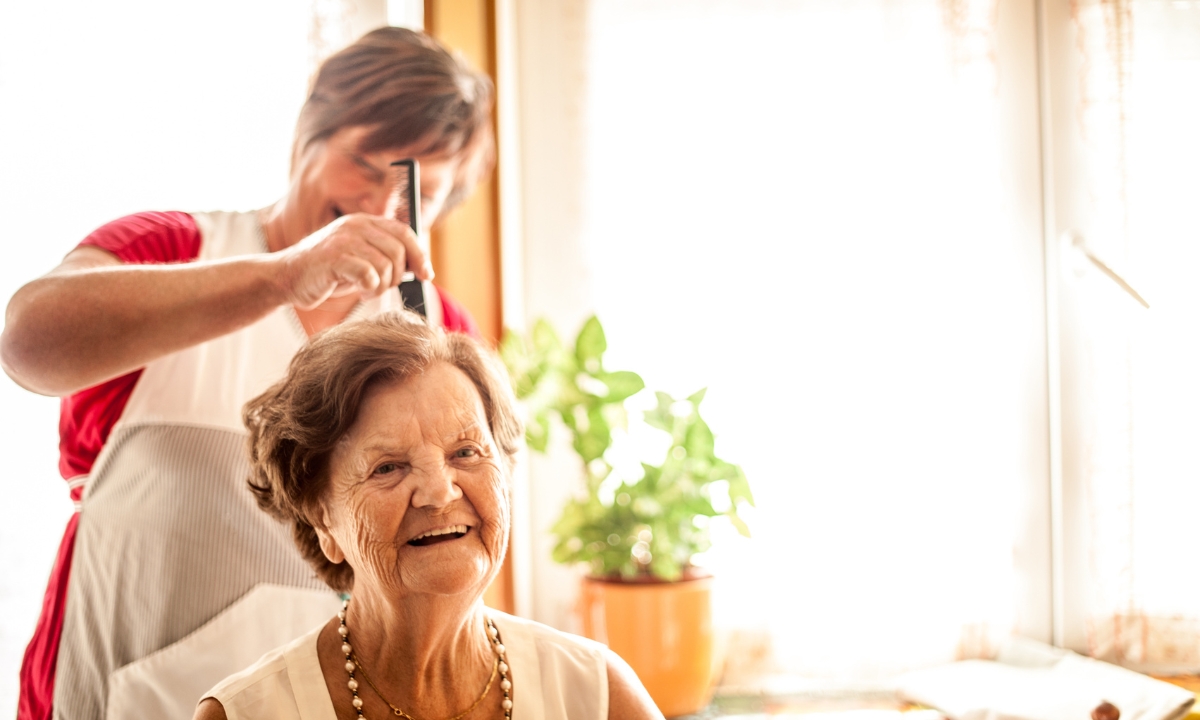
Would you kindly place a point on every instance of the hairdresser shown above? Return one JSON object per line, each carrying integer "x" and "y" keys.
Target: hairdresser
{"x": 159, "y": 327}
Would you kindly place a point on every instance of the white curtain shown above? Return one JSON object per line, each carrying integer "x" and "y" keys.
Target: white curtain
{"x": 829, "y": 214}
{"x": 1132, "y": 428}
{"x": 834, "y": 216}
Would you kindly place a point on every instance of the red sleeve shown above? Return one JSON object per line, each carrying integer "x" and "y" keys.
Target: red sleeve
{"x": 149, "y": 237}
{"x": 85, "y": 419}
{"x": 456, "y": 318}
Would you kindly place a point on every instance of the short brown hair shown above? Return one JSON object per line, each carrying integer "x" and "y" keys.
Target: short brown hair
{"x": 295, "y": 425}
{"x": 412, "y": 92}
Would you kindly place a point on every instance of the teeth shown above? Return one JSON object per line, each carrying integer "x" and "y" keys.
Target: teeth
{"x": 443, "y": 531}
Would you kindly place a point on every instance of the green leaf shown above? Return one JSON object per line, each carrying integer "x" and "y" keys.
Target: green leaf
{"x": 699, "y": 439}
{"x": 524, "y": 369}
{"x": 590, "y": 385}
{"x": 621, "y": 384}
{"x": 590, "y": 345}
{"x": 742, "y": 528}
{"x": 596, "y": 471}
{"x": 525, "y": 384}
{"x": 739, "y": 488}
{"x": 698, "y": 505}
{"x": 512, "y": 348}
{"x": 650, "y": 476}
{"x": 722, "y": 470}
{"x": 545, "y": 340}
{"x": 592, "y": 442}
{"x": 645, "y": 508}
{"x": 570, "y": 382}
{"x": 615, "y": 414}
{"x": 537, "y": 432}
{"x": 572, "y": 518}
{"x": 665, "y": 567}
{"x": 660, "y": 417}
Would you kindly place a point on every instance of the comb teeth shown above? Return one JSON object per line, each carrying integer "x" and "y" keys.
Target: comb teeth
{"x": 402, "y": 205}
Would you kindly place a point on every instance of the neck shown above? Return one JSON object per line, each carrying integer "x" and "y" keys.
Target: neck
{"x": 283, "y": 227}
{"x": 431, "y": 652}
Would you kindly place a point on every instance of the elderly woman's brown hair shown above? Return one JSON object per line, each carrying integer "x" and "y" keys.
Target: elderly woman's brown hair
{"x": 296, "y": 424}
{"x": 412, "y": 93}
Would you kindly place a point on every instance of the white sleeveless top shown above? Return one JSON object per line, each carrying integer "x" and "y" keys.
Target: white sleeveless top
{"x": 555, "y": 676}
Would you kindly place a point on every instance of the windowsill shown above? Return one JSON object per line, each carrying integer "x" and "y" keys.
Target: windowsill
{"x": 813, "y": 708}
{"x": 784, "y": 696}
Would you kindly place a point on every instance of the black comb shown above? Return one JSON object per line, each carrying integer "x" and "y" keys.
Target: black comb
{"x": 406, "y": 179}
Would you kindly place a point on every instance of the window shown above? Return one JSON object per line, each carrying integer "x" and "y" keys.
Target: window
{"x": 834, "y": 216}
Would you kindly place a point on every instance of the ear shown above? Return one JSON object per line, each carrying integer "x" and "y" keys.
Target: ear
{"x": 329, "y": 545}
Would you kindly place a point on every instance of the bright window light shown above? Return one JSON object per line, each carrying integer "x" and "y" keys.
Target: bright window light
{"x": 812, "y": 209}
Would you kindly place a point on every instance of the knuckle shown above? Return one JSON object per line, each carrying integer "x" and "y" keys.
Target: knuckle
{"x": 356, "y": 221}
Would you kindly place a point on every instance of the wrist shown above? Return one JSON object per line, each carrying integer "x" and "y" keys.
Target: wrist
{"x": 275, "y": 276}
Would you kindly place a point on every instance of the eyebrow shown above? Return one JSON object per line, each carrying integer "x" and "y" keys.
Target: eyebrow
{"x": 472, "y": 429}
{"x": 380, "y": 449}
{"x": 385, "y": 447}
{"x": 359, "y": 160}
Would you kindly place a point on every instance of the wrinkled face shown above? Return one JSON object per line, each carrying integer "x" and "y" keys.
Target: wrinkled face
{"x": 333, "y": 178}
{"x": 418, "y": 494}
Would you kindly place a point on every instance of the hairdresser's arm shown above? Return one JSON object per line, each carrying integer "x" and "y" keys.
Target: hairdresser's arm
{"x": 93, "y": 318}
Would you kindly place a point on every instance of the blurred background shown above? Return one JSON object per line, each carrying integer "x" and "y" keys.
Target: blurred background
{"x": 874, "y": 229}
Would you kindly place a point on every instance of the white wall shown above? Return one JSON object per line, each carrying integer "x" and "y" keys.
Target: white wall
{"x": 106, "y": 109}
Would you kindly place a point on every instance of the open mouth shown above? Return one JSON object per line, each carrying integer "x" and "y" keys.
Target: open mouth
{"x": 440, "y": 535}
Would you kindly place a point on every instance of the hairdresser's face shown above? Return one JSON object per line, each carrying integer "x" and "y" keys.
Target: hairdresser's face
{"x": 334, "y": 178}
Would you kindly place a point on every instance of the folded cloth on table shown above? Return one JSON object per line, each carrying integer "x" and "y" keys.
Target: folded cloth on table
{"x": 1032, "y": 681}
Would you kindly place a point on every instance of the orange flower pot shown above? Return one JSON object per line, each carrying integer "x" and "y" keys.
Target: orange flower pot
{"x": 663, "y": 630}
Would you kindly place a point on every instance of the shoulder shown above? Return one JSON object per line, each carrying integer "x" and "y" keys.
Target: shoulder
{"x": 548, "y": 641}
{"x": 267, "y": 685}
{"x": 583, "y": 676}
{"x": 149, "y": 237}
{"x": 565, "y": 674}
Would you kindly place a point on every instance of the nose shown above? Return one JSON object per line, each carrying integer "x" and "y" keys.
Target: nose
{"x": 375, "y": 200}
{"x": 436, "y": 487}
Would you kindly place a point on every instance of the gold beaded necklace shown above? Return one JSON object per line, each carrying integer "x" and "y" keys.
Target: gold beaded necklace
{"x": 400, "y": 713}
{"x": 499, "y": 664}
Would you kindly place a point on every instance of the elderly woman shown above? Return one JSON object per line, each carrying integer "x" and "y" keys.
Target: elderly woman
{"x": 159, "y": 327}
{"x": 388, "y": 448}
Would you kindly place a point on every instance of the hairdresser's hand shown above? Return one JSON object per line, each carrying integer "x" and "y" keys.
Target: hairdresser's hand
{"x": 360, "y": 253}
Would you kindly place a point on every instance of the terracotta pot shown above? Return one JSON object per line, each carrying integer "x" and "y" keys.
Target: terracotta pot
{"x": 663, "y": 630}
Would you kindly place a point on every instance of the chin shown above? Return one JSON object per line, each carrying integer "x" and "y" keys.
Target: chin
{"x": 449, "y": 578}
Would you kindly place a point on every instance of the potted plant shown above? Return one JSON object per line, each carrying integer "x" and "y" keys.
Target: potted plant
{"x": 636, "y": 535}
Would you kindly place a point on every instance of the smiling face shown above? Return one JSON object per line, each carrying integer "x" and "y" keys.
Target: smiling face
{"x": 332, "y": 178}
{"x": 417, "y": 500}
